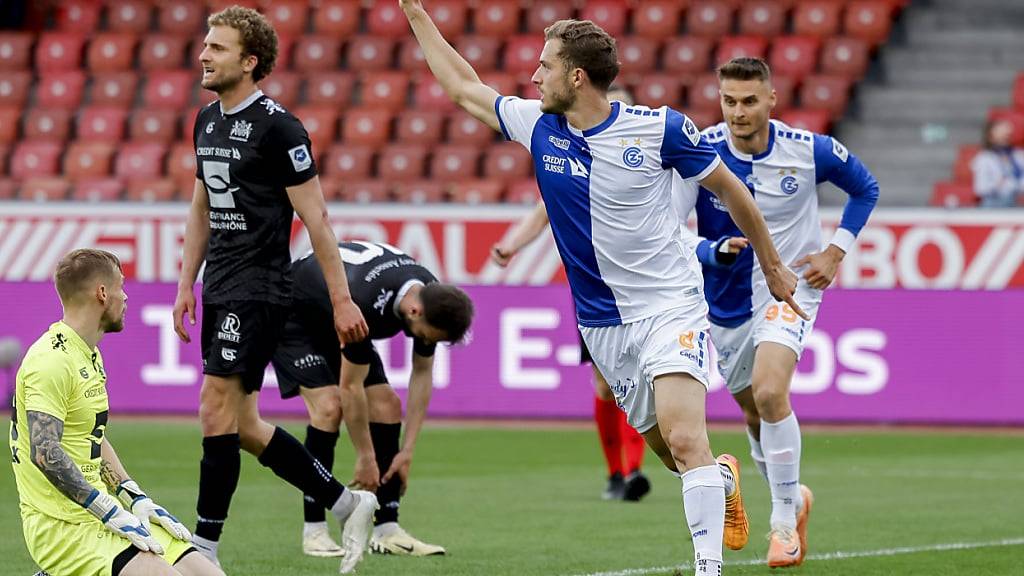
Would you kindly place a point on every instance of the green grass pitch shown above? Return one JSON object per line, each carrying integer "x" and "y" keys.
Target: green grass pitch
{"x": 524, "y": 502}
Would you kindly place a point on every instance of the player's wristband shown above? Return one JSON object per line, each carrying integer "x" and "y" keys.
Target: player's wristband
{"x": 843, "y": 239}
{"x": 129, "y": 492}
{"x": 100, "y": 505}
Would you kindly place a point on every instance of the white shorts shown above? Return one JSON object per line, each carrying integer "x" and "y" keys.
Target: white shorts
{"x": 630, "y": 356}
{"x": 772, "y": 322}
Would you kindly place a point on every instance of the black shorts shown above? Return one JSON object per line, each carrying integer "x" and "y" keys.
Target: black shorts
{"x": 585, "y": 357}
{"x": 240, "y": 338}
{"x": 309, "y": 360}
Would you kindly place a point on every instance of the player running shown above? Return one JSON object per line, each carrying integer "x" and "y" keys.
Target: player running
{"x": 604, "y": 172}
{"x": 81, "y": 512}
{"x": 625, "y": 479}
{"x": 254, "y": 167}
{"x": 395, "y": 294}
{"x": 758, "y": 340}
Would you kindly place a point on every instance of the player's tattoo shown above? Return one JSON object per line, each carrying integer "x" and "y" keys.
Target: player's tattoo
{"x": 111, "y": 479}
{"x": 44, "y": 432}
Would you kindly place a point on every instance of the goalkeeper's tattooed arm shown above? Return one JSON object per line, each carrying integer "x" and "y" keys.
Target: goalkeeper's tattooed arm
{"x": 45, "y": 432}
{"x": 111, "y": 470}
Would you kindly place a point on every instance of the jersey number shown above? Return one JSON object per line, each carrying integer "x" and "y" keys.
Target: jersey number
{"x": 369, "y": 252}
{"x": 97, "y": 433}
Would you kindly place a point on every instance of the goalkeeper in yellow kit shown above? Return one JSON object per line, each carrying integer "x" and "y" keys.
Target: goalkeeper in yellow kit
{"x": 81, "y": 512}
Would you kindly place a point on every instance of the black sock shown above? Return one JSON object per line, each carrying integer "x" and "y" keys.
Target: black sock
{"x": 218, "y": 478}
{"x": 385, "y": 444}
{"x": 321, "y": 445}
{"x": 292, "y": 462}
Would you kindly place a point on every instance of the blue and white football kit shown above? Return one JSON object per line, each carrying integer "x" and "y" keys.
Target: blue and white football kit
{"x": 608, "y": 192}
{"x": 784, "y": 182}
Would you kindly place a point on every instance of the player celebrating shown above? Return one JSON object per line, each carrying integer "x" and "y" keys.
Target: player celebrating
{"x": 625, "y": 482}
{"x": 254, "y": 166}
{"x": 760, "y": 341}
{"x": 604, "y": 172}
{"x": 68, "y": 475}
{"x": 395, "y": 294}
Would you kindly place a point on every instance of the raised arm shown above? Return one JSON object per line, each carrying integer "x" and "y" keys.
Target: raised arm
{"x": 452, "y": 71}
{"x": 526, "y": 231}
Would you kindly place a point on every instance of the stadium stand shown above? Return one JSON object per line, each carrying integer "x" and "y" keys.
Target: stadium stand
{"x": 109, "y": 113}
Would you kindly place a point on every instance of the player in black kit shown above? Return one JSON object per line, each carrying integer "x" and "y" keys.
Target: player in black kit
{"x": 396, "y": 295}
{"x": 254, "y": 167}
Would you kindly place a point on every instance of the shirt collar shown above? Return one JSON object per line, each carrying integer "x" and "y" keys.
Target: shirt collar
{"x": 73, "y": 338}
{"x": 243, "y": 104}
{"x": 401, "y": 294}
{"x": 752, "y": 157}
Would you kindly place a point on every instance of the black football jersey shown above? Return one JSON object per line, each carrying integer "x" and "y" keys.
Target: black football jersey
{"x": 246, "y": 159}
{"x": 379, "y": 275}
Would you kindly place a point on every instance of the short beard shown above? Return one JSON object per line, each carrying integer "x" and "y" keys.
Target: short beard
{"x": 110, "y": 325}
{"x": 559, "y": 102}
{"x": 223, "y": 85}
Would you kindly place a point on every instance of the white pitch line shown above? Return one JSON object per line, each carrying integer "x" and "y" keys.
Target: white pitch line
{"x": 839, "y": 555}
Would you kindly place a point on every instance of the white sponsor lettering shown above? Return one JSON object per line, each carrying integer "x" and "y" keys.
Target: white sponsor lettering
{"x": 516, "y": 348}
{"x": 168, "y": 371}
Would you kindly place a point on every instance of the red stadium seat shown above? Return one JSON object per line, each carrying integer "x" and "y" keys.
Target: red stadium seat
{"x": 1012, "y": 116}
{"x": 348, "y": 162}
{"x": 102, "y": 190}
{"x": 101, "y": 124}
{"x": 523, "y": 191}
{"x": 182, "y": 17}
{"x": 321, "y": 123}
{"x": 450, "y": 17}
{"x": 687, "y": 55}
{"x": 428, "y": 94}
{"x": 402, "y": 163}
{"x": 181, "y": 161}
{"x": 1018, "y": 93}
{"x": 419, "y": 127}
{"x": 339, "y": 18}
{"x": 657, "y": 90}
{"x": 464, "y": 129}
{"x": 283, "y": 87}
{"x": 9, "y": 119}
{"x": 507, "y": 161}
{"x": 452, "y": 163}
{"x": 785, "y": 91}
{"x": 522, "y": 54}
{"x": 60, "y": 89}
{"x": 817, "y": 18}
{"x": 845, "y": 56}
{"x": 36, "y": 159}
{"x": 962, "y": 166}
{"x": 541, "y": 15}
{"x": 332, "y": 88}
{"x": 830, "y": 93}
{"x": 169, "y": 89}
{"x": 710, "y": 18}
{"x": 476, "y": 192}
{"x": 59, "y": 51}
{"x": 637, "y": 54}
{"x": 14, "y": 88}
{"x": 868, "y": 19}
{"x": 656, "y": 19}
{"x": 500, "y": 81}
{"x": 371, "y": 127}
{"x": 480, "y": 51}
{"x": 317, "y": 53}
{"x": 111, "y": 52}
{"x": 705, "y": 118}
{"x": 953, "y": 195}
{"x": 410, "y": 56}
{"x": 763, "y": 17}
{"x": 15, "y": 50}
{"x": 128, "y": 16}
{"x": 369, "y": 53}
{"x": 88, "y": 160}
{"x": 162, "y": 52}
{"x": 330, "y": 188}
{"x": 72, "y": 15}
{"x": 154, "y": 125}
{"x": 289, "y": 17}
{"x": 740, "y": 46}
{"x": 387, "y": 19}
{"x": 113, "y": 88}
{"x": 44, "y": 189}
{"x": 365, "y": 191}
{"x": 188, "y": 122}
{"x": 805, "y": 119}
{"x": 8, "y": 186}
{"x": 285, "y": 44}
{"x": 419, "y": 192}
{"x": 151, "y": 190}
{"x": 388, "y": 89}
{"x": 703, "y": 93}
{"x": 608, "y": 14}
{"x": 795, "y": 56}
{"x": 496, "y": 18}
{"x": 47, "y": 125}
{"x": 140, "y": 160}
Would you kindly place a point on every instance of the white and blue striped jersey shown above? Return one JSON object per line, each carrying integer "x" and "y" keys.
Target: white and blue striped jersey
{"x": 783, "y": 180}
{"x": 608, "y": 192}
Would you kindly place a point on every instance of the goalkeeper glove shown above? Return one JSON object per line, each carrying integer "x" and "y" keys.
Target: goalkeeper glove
{"x": 145, "y": 509}
{"x": 121, "y": 522}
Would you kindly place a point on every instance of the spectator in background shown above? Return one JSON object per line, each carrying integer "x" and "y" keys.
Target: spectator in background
{"x": 999, "y": 167}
